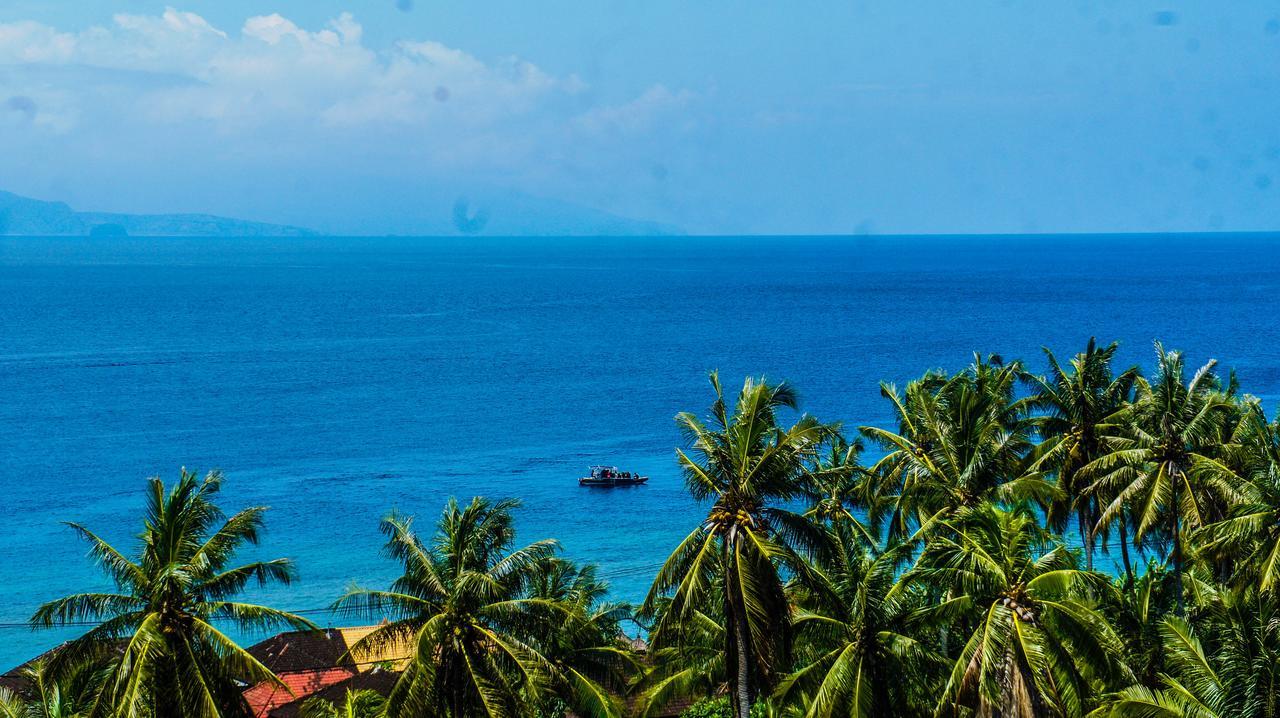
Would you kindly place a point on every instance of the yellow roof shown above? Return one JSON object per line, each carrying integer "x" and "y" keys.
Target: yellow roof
{"x": 375, "y": 652}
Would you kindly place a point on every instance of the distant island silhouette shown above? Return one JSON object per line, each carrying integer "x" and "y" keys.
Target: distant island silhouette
{"x": 503, "y": 213}
{"x": 24, "y": 216}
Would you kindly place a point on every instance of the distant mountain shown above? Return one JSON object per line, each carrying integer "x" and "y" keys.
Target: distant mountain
{"x": 520, "y": 215}
{"x": 432, "y": 211}
{"x": 25, "y": 216}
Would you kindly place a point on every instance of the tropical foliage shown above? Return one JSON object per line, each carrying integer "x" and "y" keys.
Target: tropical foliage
{"x": 1037, "y": 646}
{"x": 961, "y": 441}
{"x": 354, "y": 704}
{"x": 863, "y": 635}
{"x": 72, "y": 695}
{"x": 1090, "y": 541}
{"x": 1077, "y": 409}
{"x": 494, "y": 630}
{"x": 747, "y": 466}
{"x": 1165, "y": 467}
{"x": 158, "y": 632}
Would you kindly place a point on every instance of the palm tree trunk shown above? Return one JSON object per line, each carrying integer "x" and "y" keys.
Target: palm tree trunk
{"x": 1086, "y": 536}
{"x": 944, "y": 631}
{"x": 1175, "y": 477}
{"x": 1124, "y": 552}
{"x": 742, "y": 692}
{"x": 456, "y": 689}
{"x": 1177, "y": 560}
{"x": 737, "y": 637}
{"x": 165, "y": 688}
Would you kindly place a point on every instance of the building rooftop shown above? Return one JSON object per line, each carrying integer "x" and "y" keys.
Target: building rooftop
{"x": 311, "y": 662}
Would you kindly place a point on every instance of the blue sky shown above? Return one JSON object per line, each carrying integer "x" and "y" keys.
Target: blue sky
{"x": 716, "y": 117}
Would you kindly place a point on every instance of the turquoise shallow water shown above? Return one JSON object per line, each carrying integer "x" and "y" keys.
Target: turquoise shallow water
{"x": 335, "y": 379}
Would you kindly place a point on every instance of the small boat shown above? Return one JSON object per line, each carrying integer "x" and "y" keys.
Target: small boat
{"x": 610, "y": 476}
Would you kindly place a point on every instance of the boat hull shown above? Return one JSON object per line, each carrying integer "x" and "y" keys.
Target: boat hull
{"x": 612, "y": 483}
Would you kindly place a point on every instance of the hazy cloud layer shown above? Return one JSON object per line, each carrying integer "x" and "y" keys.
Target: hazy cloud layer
{"x": 274, "y": 97}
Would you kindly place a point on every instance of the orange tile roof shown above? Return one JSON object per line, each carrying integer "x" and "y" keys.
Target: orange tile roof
{"x": 378, "y": 681}
{"x": 266, "y": 697}
{"x": 308, "y": 662}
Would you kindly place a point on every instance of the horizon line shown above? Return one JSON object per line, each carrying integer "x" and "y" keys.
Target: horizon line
{"x": 1262, "y": 233}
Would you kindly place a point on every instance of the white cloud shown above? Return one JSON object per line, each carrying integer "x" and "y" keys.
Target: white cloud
{"x": 637, "y": 115}
{"x": 273, "y": 72}
{"x": 170, "y": 23}
{"x": 159, "y": 102}
{"x": 30, "y": 42}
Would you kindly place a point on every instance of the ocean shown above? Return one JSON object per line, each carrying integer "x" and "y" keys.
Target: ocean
{"x": 336, "y": 379}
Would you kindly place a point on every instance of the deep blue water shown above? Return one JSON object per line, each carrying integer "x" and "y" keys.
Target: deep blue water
{"x": 335, "y": 379}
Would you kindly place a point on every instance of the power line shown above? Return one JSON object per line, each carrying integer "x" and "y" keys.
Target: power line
{"x": 328, "y": 610}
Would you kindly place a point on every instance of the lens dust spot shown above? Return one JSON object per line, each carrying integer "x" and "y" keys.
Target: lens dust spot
{"x": 467, "y": 221}
{"x": 22, "y": 105}
{"x": 404, "y": 5}
{"x": 1201, "y": 164}
{"x": 441, "y": 94}
{"x": 1165, "y": 18}
{"x": 1272, "y": 27}
{"x": 1262, "y": 181}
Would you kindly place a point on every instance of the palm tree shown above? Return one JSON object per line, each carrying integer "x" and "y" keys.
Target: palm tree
{"x": 1250, "y": 536}
{"x": 748, "y": 466}
{"x": 868, "y": 647}
{"x": 1136, "y": 611}
{"x": 1038, "y": 645}
{"x": 559, "y": 579}
{"x": 168, "y": 659}
{"x": 691, "y": 668}
{"x": 355, "y": 704}
{"x": 71, "y": 696}
{"x": 961, "y": 441}
{"x": 592, "y": 666}
{"x": 1228, "y": 665}
{"x": 1166, "y": 470}
{"x": 464, "y": 606}
{"x": 1078, "y": 410}
{"x": 838, "y": 483}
